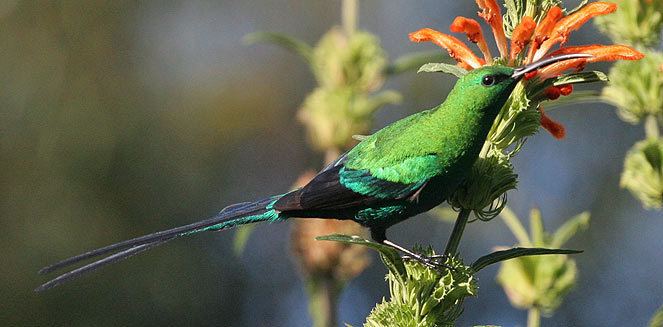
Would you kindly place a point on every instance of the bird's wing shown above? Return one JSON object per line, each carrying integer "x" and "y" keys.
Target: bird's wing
{"x": 338, "y": 187}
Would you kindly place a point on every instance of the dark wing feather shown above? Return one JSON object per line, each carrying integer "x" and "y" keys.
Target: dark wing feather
{"x": 327, "y": 192}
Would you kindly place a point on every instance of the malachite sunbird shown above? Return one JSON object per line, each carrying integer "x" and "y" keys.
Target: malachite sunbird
{"x": 400, "y": 171}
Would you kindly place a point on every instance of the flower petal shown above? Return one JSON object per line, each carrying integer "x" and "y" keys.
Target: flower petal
{"x": 556, "y": 129}
{"x": 522, "y": 35}
{"x": 603, "y": 52}
{"x": 556, "y": 69}
{"x": 457, "y": 49}
{"x": 570, "y": 23}
{"x": 472, "y": 29}
{"x": 543, "y": 30}
{"x": 492, "y": 14}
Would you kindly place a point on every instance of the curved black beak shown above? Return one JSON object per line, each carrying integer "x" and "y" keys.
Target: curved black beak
{"x": 521, "y": 71}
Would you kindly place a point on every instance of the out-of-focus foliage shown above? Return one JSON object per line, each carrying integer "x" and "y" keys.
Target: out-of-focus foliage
{"x": 637, "y": 22}
{"x": 348, "y": 66}
{"x": 643, "y": 172}
{"x": 657, "y": 319}
{"x": 540, "y": 282}
{"x": 636, "y": 88}
{"x": 348, "y": 69}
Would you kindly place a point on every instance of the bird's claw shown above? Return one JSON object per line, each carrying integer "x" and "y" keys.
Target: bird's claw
{"x": 432, "y": 262}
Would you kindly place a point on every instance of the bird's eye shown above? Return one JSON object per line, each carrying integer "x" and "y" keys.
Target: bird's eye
{"x": 488, "y": 80}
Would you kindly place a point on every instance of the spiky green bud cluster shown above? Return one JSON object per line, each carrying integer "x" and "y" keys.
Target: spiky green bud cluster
{"x": 484, "y": 190}
{"x": 637, "y": 22}
{"x": 424, "y": 297}
{"x": 636, "y": 87}
{"x": 643, "y": 172}
{"x": 348, "y": 69}
{"x": 540, "y": 281}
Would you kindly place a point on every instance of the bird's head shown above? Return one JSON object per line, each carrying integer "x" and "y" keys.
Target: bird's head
{"x": 488, "y": 87}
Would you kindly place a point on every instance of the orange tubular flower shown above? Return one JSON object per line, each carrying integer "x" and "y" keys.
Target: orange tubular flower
{"x": 552, "y": 29}
{"x": 522, "y": 35}
{"x": 554, "y": 128}
{"x": 599, "y": 53}
{"x": 472, "y": 29}
{"x": 457, "y": 49}
{"x": 603, "y": 52}
{"x": 570, "y": 23}
{"x": 543, "y": 30}
{"x": 492, "y": 14}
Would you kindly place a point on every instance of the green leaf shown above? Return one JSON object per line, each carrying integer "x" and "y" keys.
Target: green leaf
{"x": 241, "y": 238}
{"x": 499, "y": 256}
{"x": 413, "y": 60}
{"x": 536, "y": 227}
{"x": 576, "y": 97}
{"x": 389, "y": 255}
{"x": 287, "y": 42}
{"x": 570, "y": 228}
{"x": 581, "y": 77}
{"x": 513, "y": 223}
{"x": 436, "y": 67}
{"x": 657, "y": 319}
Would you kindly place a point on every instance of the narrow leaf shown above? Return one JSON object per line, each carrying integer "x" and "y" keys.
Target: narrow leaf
{"x": 576, "y": 97}
{"x": 536, "y": 227}
{"x": 570, "y": 228}
{"x": 389, "y": 256}
{"x": 287, "y": 42}
{"x": 241, "y": 238}
{"x": 499, "y": 256}
{"x": 581, "y": 77}
{"x": 411, "y": 61}
{"x": 436, "y": 67}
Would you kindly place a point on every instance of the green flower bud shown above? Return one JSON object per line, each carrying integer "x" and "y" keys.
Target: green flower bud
{"x": 356, "y": 61}
{"x": 333, "y": 116}
{"x": 643, "y": 172}
{"x": 484, "y": 189}
{"x": 540, "y": 282}
{"x": 636, "y": 87}
{"x": 425, "y": 298}
{"x": 636, "y": 22}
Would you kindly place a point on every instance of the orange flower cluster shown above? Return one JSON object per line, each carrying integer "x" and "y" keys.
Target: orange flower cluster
{"x": 554, "y": 28}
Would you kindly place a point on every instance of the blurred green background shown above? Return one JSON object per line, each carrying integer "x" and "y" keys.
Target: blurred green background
{"x": 119, "y": 118}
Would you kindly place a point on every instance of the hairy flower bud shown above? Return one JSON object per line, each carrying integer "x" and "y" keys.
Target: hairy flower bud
{"x": 643, "y": 172}
{"x": 425, "y": 298}
{"x": 636, "y": 87}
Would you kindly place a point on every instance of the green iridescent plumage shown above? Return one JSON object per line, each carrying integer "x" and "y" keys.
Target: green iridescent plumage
{"x": 400, "y": 171}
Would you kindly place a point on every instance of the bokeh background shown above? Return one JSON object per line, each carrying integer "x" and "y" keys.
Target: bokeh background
{"x": 119, "y": 118}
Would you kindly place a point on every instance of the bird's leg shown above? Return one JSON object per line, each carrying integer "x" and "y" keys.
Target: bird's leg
{"x": 428, "y": 261}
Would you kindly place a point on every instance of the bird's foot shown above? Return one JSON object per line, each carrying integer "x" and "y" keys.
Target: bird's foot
{"x": 436, "y": 262}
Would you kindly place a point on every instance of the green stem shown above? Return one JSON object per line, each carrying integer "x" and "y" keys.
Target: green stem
{"x": 323, "y": 295}
{"x": 651, "y": 127}
{"x": 349, "y": 12}
{"x": 457, "y": 233}
{"x": 533, "y": 317}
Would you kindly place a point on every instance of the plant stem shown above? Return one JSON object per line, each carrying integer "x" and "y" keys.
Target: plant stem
{"x": 651, "y": 127}
{"x": 457, "y": 233}
{"x": 533, "y": 317}
{"x": 349, "y": 12}
{"x": 323, "y": 294}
